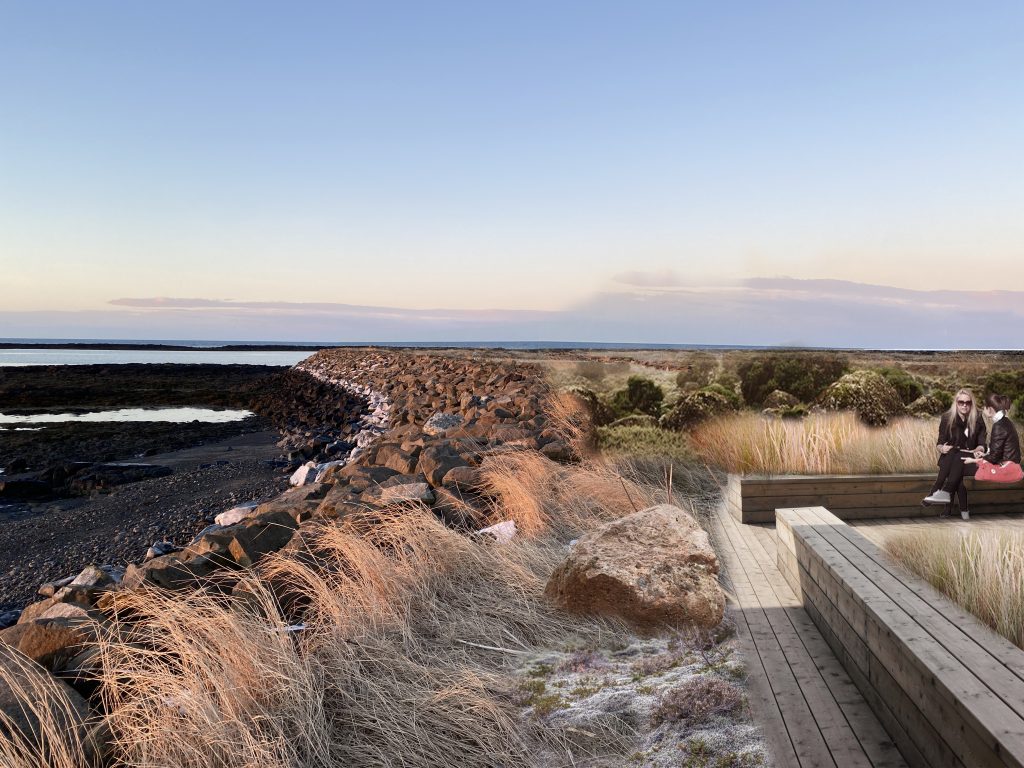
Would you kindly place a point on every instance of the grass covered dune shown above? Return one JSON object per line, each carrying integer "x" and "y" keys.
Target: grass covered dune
{"x": 389, "y": 638}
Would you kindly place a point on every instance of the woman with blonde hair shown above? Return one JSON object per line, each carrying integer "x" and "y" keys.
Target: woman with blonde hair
{"x": 961, "y": 436}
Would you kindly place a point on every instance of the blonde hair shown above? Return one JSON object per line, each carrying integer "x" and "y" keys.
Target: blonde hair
{"x": 972, "y": 417}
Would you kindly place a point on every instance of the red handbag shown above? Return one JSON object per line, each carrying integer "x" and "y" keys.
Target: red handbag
{"x": 1008, "y": 472}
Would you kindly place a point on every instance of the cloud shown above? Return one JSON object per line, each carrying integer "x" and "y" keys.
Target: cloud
{"x": 757, "y": 312}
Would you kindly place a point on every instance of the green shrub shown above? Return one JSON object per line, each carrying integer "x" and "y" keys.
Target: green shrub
{"x": 641, "y": 395}
{"x": 598, "y": 411}
{"x": 1018, "y": 407}
{"x": 802, "y": 374}
{"x": 729, "y": 393}
{"x": 1009, "y": 383}
{"x": 797, "y": 411}
{"x": 695, "y": 407}
{"x": 945, "y": 399}
{"x": 927, "y": 405}
{"x": 867, "y": 393}
{"x": 780, "y": 399}
{"x": 906, "y": 386}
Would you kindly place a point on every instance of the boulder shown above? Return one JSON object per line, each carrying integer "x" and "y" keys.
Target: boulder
{"x": 464, "y": 477}
{"x": 439, "y": 422}
{"x": 436, "y": 461}
{"x": 236, "y": 514}
{"x": 304, "y": 475}
{"x": 654, "y": 567}
{"x": 48, "y": 642}
{"x": 26, "y": 690}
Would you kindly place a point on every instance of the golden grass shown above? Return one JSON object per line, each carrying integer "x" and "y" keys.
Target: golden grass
{"x": 982, "y": 571}
{"x": 384, "y": 639}
{"x": 409, "y": 632}
{"x": 822, "y": 443}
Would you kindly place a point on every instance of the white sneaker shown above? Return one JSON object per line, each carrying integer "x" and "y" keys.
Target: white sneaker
{"x": 938, "y": 497}
{"x": 965, "y": 514}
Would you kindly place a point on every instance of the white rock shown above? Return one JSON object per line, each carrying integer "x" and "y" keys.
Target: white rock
{"x": 502, "y": 532}
{"x": 321, "y": 469}
{"x": 236, "y": 514}
{"x": 304, "y": 475}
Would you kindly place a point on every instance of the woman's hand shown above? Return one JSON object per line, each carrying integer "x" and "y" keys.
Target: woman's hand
{"x": 945, "y": 448}
{"x": 979, "y": 451}
{"x": 973, "y": 460}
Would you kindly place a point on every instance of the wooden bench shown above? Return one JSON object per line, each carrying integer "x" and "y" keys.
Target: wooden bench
{"x": 949, "y": 691}
{"x": 754, "y": 498}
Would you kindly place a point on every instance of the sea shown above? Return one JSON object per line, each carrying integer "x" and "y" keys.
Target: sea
{"x": 23, "y": 352}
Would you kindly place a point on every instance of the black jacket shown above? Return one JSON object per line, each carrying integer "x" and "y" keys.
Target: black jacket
{"x": 955, "y": 436}
{"x": 1004, "y": 445}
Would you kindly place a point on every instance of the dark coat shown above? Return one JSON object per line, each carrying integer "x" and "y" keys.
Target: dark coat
{"x": 1005, "y": 444}
{"x": 954, "y": 435}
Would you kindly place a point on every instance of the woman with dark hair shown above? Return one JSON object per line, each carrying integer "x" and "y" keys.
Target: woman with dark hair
{"x": 1002, "y": 462}
{"x": 961, "y": 437}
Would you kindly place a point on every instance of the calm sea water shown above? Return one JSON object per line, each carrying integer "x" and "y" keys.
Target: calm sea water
{"x": 9, "y": 357}
{"x": 174, "y": 415}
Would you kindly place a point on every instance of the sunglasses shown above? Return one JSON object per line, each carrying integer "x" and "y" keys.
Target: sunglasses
{"x": 963, "y": 402}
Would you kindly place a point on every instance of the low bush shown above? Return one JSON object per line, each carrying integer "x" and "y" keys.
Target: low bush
{"x": 927, "y": 405}
{"x": 596, "y": 410}
{"x": 867, "y": 393}
{"x": 779, "y": 399}
{"x": 907, "y": 387}
{"x": 640, "y": 395}
{"x": 1008, "y": 383}
{"x": 802, "y": 374}
{"x": 697, "y": 701}
{"x": 696, "y": 407}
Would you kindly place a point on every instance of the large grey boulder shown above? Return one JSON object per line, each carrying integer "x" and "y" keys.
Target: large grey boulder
{"x": 654, "y": 567}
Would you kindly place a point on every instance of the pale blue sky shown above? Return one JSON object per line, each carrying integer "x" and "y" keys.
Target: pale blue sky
{"x": 501, "y": 156}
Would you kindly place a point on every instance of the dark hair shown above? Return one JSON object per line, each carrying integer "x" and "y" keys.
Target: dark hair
{"x": 999, "y": 402}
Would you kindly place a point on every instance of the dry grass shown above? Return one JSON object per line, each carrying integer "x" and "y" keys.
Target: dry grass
{"x": 983, "y": 571}
{"x": 384, "y": 640}
{"x": 823, "y": 443}
{"x": 395, "y": 661}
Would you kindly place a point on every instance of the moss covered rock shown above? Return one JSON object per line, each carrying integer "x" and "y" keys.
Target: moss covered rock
{"x": 868, "y": 393}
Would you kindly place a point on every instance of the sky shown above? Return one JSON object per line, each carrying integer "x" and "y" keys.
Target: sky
{"x": 763, "y": 173}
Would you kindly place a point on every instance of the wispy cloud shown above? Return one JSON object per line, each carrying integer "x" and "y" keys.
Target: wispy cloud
{"x": 758, "y": 311}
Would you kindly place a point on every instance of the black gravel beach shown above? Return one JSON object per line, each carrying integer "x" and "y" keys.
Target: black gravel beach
{"x": 214, "y": 465}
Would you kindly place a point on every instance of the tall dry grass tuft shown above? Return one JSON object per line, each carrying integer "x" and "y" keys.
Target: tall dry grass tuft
{"x": 822, "y": 443}
{"x": 983, "y": 571}
{"x": 544, "y": 497}
{"x": 55, "y": 740}
{"x": 568, "y": 414}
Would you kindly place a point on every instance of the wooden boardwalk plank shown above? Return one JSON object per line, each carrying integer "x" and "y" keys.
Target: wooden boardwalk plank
{"x": 810, "y": 686}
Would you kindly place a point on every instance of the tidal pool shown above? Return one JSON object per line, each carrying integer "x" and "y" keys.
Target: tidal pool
{"x": 176, "y": 415}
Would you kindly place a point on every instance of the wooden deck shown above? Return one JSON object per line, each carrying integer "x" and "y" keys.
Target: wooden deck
{"x": 811, "y": 712}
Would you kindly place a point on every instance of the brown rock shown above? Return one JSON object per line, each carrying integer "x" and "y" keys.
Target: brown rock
{"x": 653, "y": 567}
{"x": 48, "y": 642}
{"x": 436, "y": 461}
